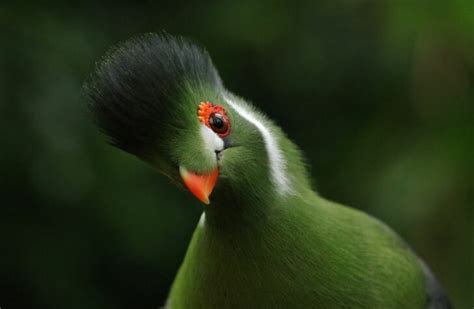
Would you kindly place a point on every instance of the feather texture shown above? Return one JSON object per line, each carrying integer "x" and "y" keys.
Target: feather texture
{"x": 134, "y": 82}
{"x": 267, "y": 240}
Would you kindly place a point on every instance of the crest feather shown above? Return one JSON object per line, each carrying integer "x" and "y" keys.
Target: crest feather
{"x": 134, "y": 83}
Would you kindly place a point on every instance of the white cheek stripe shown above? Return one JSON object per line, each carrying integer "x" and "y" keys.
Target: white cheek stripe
{"x": 202, "y": 220}
{"x": 275, "y": 156}
{"x": 211, "y": 140}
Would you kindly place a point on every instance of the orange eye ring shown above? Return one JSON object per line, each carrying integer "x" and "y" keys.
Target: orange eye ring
{"x": 214, "y": 117}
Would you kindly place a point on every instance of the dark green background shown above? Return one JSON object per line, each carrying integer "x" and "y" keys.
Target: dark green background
{"x": 378, "y": 94}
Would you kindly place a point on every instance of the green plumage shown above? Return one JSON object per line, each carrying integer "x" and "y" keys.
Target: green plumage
{"x": 301, "y": 253}
{"x": 257, "y": 249}
{"x": 258, "y": 244}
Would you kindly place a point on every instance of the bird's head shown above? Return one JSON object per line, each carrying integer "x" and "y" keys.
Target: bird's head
{"x": 161, "y": 99}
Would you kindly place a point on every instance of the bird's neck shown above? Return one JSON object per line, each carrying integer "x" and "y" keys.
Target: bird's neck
{"x": 261, "y": 197}
{"x": 227, "y": 213}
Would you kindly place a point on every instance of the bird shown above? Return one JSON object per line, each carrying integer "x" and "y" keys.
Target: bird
{"x": 266, "y": 238}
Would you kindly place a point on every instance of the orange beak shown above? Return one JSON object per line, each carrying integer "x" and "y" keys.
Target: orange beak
{"x": 201, "y": 185}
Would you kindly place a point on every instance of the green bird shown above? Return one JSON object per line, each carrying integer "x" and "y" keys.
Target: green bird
{"x": 267, "y": 239}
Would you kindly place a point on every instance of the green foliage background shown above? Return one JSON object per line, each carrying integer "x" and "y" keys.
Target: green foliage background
{"x": 378, "y": 94}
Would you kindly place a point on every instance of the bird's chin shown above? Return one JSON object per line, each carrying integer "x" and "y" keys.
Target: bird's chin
{"x": 200, "y": 185}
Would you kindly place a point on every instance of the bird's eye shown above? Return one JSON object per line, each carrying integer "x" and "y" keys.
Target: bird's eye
{"x": 218, "y": 123}
{"x": 214, "y": 117}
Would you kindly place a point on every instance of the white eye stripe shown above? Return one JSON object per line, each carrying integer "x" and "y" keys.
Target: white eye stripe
{"x": 275, "y": 156}
{"x": 212, "y": 141}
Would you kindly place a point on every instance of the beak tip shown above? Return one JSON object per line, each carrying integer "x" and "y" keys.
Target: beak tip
{"x": 200, "y": 185}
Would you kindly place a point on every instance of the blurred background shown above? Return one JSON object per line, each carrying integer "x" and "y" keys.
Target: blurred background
{"x": 378, "y": 94}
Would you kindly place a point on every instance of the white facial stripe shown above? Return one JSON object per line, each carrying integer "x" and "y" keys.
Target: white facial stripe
{"x": 275, "y": 156}
{"x": 202, "y": 220}
{"x": 211, "y": 140}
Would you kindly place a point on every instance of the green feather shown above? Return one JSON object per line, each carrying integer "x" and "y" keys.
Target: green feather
{"x": 267, "y": 239}
{"x": 257, "y": 248}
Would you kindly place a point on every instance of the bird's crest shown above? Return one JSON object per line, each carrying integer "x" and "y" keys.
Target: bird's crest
{"x": 135, "y": 81}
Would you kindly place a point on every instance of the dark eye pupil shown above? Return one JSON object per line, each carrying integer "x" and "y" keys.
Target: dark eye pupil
{"x": 217, "y": 122}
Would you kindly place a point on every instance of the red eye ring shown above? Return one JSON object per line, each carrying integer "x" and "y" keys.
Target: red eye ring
{"x": 215, "y": 118}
